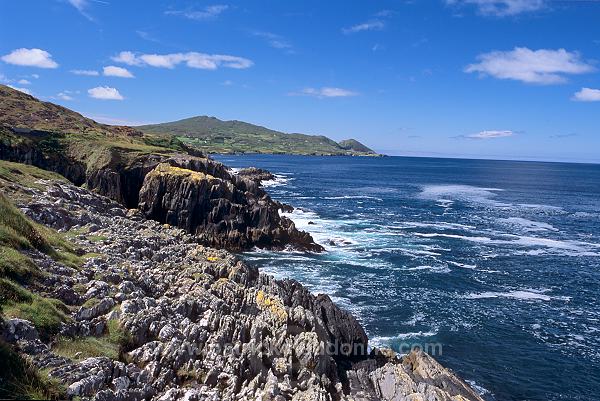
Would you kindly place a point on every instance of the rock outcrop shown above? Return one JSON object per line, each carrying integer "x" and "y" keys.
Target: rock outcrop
{"x": 225, "y": 213}
{"x": 198, "y": 323}
{"x": 256, "y": 174}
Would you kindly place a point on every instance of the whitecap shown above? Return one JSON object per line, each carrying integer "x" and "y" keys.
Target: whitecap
{"x": 479, "y": 389}
{"x": 433, "y": 269}
{"x": 528, "y": 225}
{"x": 522, "y": 295}
{"x": 447, "y": 193}
{"x": 463, "y": 265}
{"x": 386, "y": 341}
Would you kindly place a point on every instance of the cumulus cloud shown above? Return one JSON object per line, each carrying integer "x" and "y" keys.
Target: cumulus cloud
{"x": 64, "y": 96}
{"x": 326, "y": 92}
{"x": 23, "y": 82}
{"x": 491, "y": 134}
{"x": 209, "y": 12}
{"x": 191, "y": 59}
{"x": 502, "y": 8}
{"x": 542, "y": 66}
{"x": 587, "y": 95}
{"x": 105, "y": 93}
{"x": 30, "y": 58}
{"x": 127, "y": 57}
{"x": 113, "y": 71}
{"x": 373, "y": 25}
{"x": 91, "y": 73}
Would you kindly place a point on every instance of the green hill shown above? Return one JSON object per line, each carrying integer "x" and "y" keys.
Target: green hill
{"x": 216, "y": 136}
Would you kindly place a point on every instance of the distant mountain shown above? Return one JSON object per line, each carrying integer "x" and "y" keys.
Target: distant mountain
{"x": 216, "y": 136}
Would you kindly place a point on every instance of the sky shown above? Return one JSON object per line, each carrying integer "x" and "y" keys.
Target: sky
{"x": 499, "y": 79}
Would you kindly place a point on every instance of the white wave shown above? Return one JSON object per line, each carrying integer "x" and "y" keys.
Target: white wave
{"x": 353, "y": 197}
{"x": 278, "y": 181}
{"x": 433, "y": 269}
{"x": 463, "y": 265}
{"x": 528, "y": 225}
{"x": 523, "y": 295}
{"x": 386, "y": 341}
{"x": 435, "y": 225}
{"x": 455, "y": 236}
{"x": 572, "y": 248}
{"x": 452, "y": 192}
{"x": 477, "y": 387}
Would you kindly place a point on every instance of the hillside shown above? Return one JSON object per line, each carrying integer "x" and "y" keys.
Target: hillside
{"x": 216, "y": 136}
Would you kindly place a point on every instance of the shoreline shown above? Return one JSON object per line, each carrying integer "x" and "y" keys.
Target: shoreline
{"x": 146, "y": 301}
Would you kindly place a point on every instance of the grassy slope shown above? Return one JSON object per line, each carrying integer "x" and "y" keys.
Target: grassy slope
{"x": 213, "y": 135}
{"x": 68, "y": 132}
{"x": 21, "y": 292}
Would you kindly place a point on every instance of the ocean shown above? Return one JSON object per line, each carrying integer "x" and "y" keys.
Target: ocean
{"x": 497, "y": 263}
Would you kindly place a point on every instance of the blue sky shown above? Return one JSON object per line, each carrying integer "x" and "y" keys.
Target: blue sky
{"x": 516, "y": 79}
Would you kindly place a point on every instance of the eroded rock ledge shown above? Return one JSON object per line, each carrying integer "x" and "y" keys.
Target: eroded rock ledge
{"x": 201, "y": 324}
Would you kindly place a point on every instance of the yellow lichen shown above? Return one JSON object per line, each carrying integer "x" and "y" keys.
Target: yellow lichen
{"x": 212, "y": 258}
{"x": 166, "y": 169}
{"x": 272, "y": 305}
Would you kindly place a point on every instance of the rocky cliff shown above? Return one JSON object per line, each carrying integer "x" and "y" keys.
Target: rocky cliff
{"x": 229, "y": 213}
{"x": 153, "y": 315}
{"x": 235, "y": 214}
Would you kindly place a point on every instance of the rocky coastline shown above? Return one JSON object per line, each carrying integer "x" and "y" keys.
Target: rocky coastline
{"x": 117, "y": 280}
{"x": 199, "y": 323}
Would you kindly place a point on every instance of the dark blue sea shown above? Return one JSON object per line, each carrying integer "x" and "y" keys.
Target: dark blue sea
{"x": 497, "y": 261}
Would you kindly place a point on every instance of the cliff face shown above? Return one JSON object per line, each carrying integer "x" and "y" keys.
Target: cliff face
{"x": 230, "y": 212}
{"x": 196, "y": 323}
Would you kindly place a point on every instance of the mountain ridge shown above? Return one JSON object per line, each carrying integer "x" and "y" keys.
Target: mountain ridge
{"x": 214, "y": 135}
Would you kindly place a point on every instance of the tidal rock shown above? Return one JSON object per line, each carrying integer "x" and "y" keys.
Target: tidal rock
{"x": 256, "y": 174}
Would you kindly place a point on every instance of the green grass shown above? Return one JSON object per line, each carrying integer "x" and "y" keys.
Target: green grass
{"x": 46, "y": 314}
{"x": 91, "y": 302}
{"x": 212, "y": 135}
{"x": 20, "y": 380}
{"x": 113, "y": 344}
{"x": 19, "y": 232}
{"x": 25, "y": 174}
{"x": 86, "y": 347}
{"x": 16, "y": 266}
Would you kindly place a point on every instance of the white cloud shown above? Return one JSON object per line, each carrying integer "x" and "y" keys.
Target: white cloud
{"x": 373, "y": 25}
{"x": 23, "y": 82}
{"x": 274, "y": 40}
{"x": 191, "y": 59}
{"x": 491, "y": 134}
{"x": 532, "y": 66}
{"x": 105, "y": 93}
{"x": 30, "y": 58}
{"x": 113, "y": 71}
{"x": 587, "y": 95}
{"x": 24, "y": 90}
{"x": 502, "y": 8}
{"x": 326, "y": 92}
{"x": 209, "y": 12}
{"x": 81, "y": 5}
{"x": 64, "y": 96}
{"x": 126, "y": 57}
{"x": 36, "y": 76}
{"x": 91, "y": 73}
